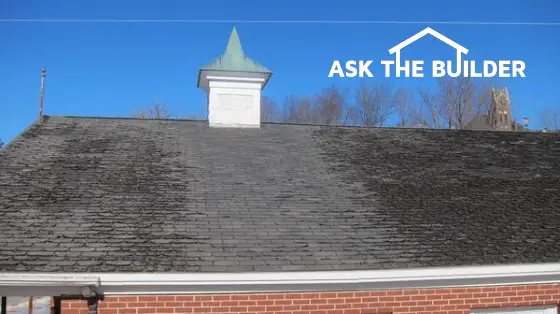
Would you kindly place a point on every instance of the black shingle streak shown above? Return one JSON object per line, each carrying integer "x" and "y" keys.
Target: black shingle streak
{"x": 92, "y": 194}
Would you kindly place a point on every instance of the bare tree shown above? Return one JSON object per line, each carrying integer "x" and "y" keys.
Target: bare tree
{"x": 290, "y": 107}
{"x": 375, "y": 103}
{"x": 483, "y": 97}
{"x": 429, "y": 113}
{"x": 457, "y": 96}
{"x": 1, "y": 143}
{"x": 157, "y": 111}
{"x": 298, "y": 110}
{"x": 269, "y": 109}
{"x": 351, "y": 115}
{"x": 329, "y": 105}
{"x": 455, "y": 103}
{"x": 550, "y": 119}
{"x": 405, "y": 108}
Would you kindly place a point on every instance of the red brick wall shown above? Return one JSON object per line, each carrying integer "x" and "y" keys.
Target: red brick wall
{"x": 436, "y": 301}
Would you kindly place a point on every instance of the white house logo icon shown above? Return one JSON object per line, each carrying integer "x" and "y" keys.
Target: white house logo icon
{"x": 415, "y": 68}
{"x": 397, "y": 49}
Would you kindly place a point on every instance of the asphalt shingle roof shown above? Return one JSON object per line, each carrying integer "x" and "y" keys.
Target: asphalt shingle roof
{"x": 94, "y": 194}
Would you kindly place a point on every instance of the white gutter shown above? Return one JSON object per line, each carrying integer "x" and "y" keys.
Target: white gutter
{"x": 47, "y": 279}
{"x": 177, "y": 283}
{"x": 45, "y": 284}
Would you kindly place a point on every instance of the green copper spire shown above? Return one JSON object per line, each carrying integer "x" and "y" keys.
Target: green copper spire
{"x": 234, "y": 49}
{"x": 234, "y": 59}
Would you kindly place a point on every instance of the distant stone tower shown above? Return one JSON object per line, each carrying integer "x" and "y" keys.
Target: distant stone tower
{"x": 499, "y": 117}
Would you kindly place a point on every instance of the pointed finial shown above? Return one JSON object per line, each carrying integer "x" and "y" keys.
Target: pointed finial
{"x": 234, "y": 48}
{"x": 42, "y": 93}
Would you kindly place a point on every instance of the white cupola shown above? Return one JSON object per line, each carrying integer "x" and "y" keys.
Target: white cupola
{"x": 233, "y": 84}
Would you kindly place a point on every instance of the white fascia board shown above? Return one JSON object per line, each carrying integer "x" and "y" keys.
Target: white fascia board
{"x": 178, "y": 283}
{"x": 47, "y": 279}
{"x": 222, "y": 125}
{"x": 237, "y": 84}
{"x": 45, "y": 284}
{"x": 234, "y": 78}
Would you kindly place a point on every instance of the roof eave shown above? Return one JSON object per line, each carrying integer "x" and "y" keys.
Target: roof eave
{"x": 174, "y": 283}
{"x": 268, "y": 75}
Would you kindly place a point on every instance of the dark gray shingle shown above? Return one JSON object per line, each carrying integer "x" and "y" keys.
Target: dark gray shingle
{"x": 93, "y": 194}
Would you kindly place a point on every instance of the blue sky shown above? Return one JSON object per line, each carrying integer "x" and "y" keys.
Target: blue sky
{"x": 112, "y": 69}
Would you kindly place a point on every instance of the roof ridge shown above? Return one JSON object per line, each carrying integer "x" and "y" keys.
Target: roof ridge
{"x": 47, "y": 117}
{"x": 25, "y": 131}
{"x": 396, "y": 128}
{"x": 121, "y": 118}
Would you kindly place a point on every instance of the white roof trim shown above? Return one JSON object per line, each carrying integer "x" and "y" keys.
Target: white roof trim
{"x": 423, "y": 33}
{"x": 232, "y": 78}
{"x": 177, "y": 283}
{"x": 47, "y": 279}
